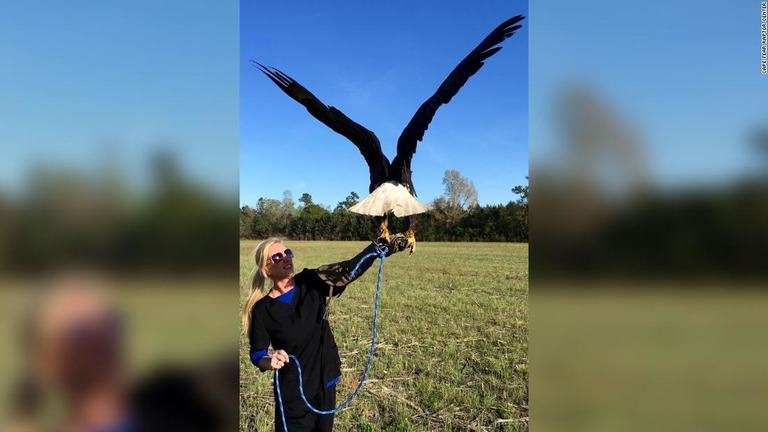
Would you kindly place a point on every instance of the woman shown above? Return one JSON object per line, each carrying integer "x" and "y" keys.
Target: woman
{"x": 292, "y": 317}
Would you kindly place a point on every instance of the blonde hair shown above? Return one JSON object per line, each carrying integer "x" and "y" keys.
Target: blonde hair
{"x": 258, "y": 280}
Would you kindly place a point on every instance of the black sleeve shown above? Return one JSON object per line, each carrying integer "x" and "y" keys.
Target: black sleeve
{"x": 259, "y": 339}
{"x": 337, "y": 275}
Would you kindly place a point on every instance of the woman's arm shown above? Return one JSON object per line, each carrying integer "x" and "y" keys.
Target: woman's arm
{"x": 338, "y": 274}
{"x": 259, "y": 341}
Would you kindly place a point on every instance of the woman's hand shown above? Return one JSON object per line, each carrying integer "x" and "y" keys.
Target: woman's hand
{"x": 279, "y": 359}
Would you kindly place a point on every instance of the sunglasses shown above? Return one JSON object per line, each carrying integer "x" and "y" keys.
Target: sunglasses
{"x": 276, "y": 258}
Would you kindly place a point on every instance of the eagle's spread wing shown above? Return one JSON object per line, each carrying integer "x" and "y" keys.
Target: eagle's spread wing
{"x": 364, "y": 139}
{"x": 414, "y": 132}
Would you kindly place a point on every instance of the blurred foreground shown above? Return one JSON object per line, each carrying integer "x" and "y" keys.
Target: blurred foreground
{"x": 89, "y": 353}
{"x": 647, "y": 299}
{"x": 117, "y": 303}
{"x": 609, "y": 359}
{"x": 649, "y": 210}
{"x": 118, "y": 221}
{"x": 64, "y": 217}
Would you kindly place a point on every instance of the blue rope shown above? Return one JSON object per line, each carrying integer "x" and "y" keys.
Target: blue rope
{"x": 381, "y": 252}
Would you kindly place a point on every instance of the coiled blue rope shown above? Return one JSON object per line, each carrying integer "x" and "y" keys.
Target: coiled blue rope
{"x": 381, "y": 252}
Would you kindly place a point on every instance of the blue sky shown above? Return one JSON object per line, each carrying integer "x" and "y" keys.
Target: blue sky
{"x": 378, "y": 62}
{"x": 685, "y": 73}
{"x": 85, "y": 81}
{"x": 81, "y": 80}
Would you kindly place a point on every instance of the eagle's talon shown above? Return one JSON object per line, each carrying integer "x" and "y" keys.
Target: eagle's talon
{"x": 385, "y": 237}
{"x": 411, "y": 243}
{"x": 384, "y": 234}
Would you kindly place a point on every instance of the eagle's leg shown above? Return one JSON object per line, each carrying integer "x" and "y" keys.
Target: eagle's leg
{"x": 383, "y": 226}
{"x": 411, "y": 233}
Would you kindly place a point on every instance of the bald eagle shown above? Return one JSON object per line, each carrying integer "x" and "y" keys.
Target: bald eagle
{"x": 391, "y": 188}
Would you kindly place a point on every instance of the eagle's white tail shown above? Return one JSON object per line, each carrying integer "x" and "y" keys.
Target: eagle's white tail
{"x": 390, "y": 196}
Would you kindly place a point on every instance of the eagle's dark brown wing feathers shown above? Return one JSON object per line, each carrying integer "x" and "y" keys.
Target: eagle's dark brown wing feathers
{"x": 414, "y": 131}
{"x": 365, "y": 140}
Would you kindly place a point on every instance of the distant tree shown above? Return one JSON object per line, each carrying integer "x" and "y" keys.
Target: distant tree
{"x": 306, "y": 199}
{"x": 460, "y": 195}
{"x": 274, "y": 215}
{"x": 288, "y": 203}
{"x": 165, "y": 170}
{"x": 458, "y": 190}
{"x": 520, "y": 210}
{"x": 439, "y": 208}
{"x": 247, "y": 216}
{"x": 523, "y": 192}
{"x": 351, "y": 200}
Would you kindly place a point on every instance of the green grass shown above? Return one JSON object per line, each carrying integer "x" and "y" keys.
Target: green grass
{"x": 452, "y": 351}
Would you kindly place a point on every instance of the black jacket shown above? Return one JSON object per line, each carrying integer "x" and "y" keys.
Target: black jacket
{"x": 300, "y": 329}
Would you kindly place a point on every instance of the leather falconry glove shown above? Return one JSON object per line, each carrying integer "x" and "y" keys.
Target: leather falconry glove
{"x": 397, "y": 243}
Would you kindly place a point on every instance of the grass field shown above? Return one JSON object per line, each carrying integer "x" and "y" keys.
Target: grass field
{"x": 452, "y": 351}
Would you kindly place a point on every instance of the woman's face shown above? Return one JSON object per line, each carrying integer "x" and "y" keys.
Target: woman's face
{"x": 279, "y": 263}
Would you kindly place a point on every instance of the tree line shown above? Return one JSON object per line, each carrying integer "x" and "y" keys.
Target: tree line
{"x": 456, "y": 216}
